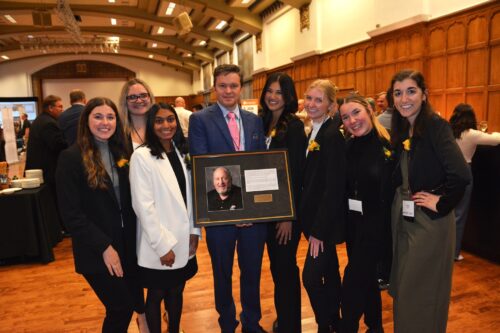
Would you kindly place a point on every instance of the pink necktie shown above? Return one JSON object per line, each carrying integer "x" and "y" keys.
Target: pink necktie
{"x": 233, "y": 129}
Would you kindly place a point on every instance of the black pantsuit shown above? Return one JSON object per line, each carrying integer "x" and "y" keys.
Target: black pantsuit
{"x": 322, "y": 215}
{"x": 369, "y": 169}
{"x": 321, "y": 279}
{"x": 119, "y": 302}
{"x": 283, "y": 257}
{"x": 97, "y": 218}
{"x": 286, "y": 278}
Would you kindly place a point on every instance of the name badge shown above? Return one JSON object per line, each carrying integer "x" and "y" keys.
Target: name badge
{"x": 408, "y": 208}
{"x": 355, "y": 205}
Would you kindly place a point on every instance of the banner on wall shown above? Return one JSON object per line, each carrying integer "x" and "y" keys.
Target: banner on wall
{"x": 251, "y": 105}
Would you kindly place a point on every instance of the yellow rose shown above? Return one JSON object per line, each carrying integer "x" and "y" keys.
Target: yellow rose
{"x": 407, "y": 144}
{"x": 273, "y": 133}
{"x": 122, "y": 162}
{"x": 313, "y": 145}
{"x": 387, "y": 153}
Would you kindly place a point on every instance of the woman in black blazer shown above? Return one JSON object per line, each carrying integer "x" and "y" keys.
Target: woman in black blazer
{"x": 322, "y": 208}
{"x": 284, "y": 130}
{"x": 94, "y": 195}
{"x": 370, "y": 163}
{"x": 431, "y": 175}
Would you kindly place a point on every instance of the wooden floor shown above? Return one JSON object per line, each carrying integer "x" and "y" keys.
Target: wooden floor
{"x": 53, "y": 298}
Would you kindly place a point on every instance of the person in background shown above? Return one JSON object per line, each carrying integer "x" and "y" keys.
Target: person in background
{"x": 197, "y": 107}
{"x": 221, "y": 128}
{"x": 321, "y": 209}
{"x": 384, "y": 111}
{"x": 94, "y": 196}
{"x": 135, "y": 100}
{"x": 430, "y": 178}
{"x": 161, "y": 196}
{"x": 302, "y": 114}
{"x": 24, "y": 127}
{"x": 183, "y": 114}
{"x": 284, "y": 130}
{"x": 68, "y": 120}
{"x": 370, "y": 164}
{"x": 464, "y": 126}
{"x": 46, "y": 142}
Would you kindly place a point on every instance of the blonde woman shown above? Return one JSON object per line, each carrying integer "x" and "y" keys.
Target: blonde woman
{"x": 322, "y": 209}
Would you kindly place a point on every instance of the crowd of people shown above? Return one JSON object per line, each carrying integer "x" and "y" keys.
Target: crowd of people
{"x": 390, "y": 186}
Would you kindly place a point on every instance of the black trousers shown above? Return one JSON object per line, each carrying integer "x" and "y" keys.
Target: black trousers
{"x": 360, "y": 292}
{"x": 321, "y": 280}
{"x": 117, "y": 296}
{"x": 286, "y": 277}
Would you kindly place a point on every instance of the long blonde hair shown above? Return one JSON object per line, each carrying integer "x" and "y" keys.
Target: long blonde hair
{"x": 379, "y": 129}
{"x": 123, "y": 107}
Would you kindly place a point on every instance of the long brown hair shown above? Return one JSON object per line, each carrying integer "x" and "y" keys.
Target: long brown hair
{"x": 92, "y": 160}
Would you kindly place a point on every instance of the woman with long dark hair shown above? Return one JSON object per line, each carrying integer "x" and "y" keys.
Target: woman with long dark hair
{"x": 370, "y": 164}
{"x": 464, "y": 126}
{"x": 431, "y": 179}
{"x": 94, "y": 199}
{"x": 161, "y": 197}
{"x": 284, "y": 130}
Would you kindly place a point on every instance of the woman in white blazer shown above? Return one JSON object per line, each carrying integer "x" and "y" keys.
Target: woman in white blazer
{"x": 161, "y": 197}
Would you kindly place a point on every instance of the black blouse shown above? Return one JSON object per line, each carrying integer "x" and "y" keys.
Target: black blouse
{"x": 370, "y": 163}
{"x": 179, "y": 172}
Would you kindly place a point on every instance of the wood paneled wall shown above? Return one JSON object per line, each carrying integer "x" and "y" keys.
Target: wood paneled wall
{"x": 459, "y": 55}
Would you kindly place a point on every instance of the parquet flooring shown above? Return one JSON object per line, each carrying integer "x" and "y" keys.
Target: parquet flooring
{"x": 53, "y": 298}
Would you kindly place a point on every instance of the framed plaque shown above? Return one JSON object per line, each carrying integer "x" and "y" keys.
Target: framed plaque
{"x": 242, "y": 187}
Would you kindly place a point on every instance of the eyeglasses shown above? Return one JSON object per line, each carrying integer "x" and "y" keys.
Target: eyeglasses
{"x": 160, "y": 120}
{"x": 134, "y": 98}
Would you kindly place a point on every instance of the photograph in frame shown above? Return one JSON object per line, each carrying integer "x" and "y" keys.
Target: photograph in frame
{"x": 242, "y": 187}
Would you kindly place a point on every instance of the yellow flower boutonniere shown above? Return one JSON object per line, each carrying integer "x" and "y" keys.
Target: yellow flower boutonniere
{"x": 387, "y": 154}
{"x": 123, "y": 162}
{"x": 313, "y": 146}
{"x": 273, "y": 133}
{"x": 407, "y": 144}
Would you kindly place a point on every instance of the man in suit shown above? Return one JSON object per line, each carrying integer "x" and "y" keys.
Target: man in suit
{"x": 68, "y": 121}
{"x": 180, "y": 108}
{"x": 46, "y": 141}
{"x": 24, "y": 128}
{"x": 225, "y": 195}
{"x": 385, "y": 112}
{"x": 221, "y": 128}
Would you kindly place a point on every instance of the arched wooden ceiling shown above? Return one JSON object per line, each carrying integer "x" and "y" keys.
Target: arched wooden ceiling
{"x": 32, "y": 28}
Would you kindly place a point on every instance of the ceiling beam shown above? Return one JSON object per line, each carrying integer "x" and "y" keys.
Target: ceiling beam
{"x": 124, "y": 13}
{"x": 198, "y": 52}
{"x": 244, "y": 19}
{"x": 296, "y": 3}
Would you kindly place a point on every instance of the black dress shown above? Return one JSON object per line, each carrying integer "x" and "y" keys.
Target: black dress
{"x": 370, "y": 163}
{"x": 161, "y": 279}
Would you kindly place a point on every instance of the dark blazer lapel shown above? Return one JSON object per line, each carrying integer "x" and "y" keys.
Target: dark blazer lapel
{"x": 322, "y": 130}
{"x": 219, "y": 120}
{"x": 247, "y": 129}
